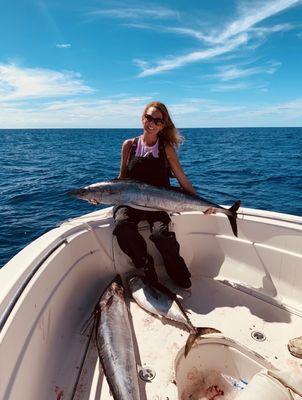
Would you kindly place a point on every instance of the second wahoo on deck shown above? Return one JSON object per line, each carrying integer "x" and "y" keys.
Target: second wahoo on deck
{"x": 126, "y": 191}
{"x": 159, "y": 300}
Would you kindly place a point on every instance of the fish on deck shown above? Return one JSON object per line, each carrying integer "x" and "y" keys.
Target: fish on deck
{"x": 115, "y": 343}
{"x": 159, "y": 300}
{"x": 126, "y": 191}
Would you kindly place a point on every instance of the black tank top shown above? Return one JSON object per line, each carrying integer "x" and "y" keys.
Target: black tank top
{"x": 150, "y": 169}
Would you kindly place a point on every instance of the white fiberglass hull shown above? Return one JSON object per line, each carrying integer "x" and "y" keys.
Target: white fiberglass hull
{"x": 240, "y": 285}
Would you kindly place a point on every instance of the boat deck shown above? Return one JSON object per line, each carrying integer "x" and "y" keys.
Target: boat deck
{"x": 209, "y": 303}
{"x": 239, "y": 287}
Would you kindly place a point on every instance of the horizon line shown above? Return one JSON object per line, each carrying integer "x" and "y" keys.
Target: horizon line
{"x": 179, "y": 128}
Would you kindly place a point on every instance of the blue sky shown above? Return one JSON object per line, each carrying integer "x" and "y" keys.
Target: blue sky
{"x": 215, "y": 63}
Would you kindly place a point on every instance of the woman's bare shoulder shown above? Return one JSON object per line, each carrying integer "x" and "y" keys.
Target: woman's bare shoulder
{"x": 128, "y": 143}
{"x": 170, "y": 150}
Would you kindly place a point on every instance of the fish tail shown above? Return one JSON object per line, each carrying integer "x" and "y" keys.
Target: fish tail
{"x": 233, "y": 217}
{"x": 195, "y": 334}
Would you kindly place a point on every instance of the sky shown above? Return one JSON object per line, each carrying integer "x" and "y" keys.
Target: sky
{"x": 96, "y": 64}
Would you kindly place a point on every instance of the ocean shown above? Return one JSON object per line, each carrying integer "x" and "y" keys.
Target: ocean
{"x": 260, "y": 166}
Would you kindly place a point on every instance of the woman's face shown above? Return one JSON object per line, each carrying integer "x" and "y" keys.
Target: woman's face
{"x": 153, "y": 121}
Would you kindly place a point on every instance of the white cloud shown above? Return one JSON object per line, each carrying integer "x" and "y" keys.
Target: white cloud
{"x": 188, "y": 32}
{"x": 180, "y": 61}
{"x": 251, "y": 16}
{"x": 125, "y": 112}
{"x": 136, "y": 12}
{"x": 180, "y": 109}
{"x": 230, "y": 87}
{"x": 264, "y": 31}
{"x": 289, "y": 111}
{"x": 219, "y": 114}
{"x": 17, "y": 83}
{"x": 141, "y": 63}
{"x": 218, "y": 109}
{"x": 232, "y": 72}
{"x": 109, "y": 112}
{"x": 241, "y": 31}
{"x": 63, "y": 45}
{"x": 212, "y": 38}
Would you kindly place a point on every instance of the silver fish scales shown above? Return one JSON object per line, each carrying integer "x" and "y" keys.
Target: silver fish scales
{"x": 115, "y": 343}
{"x": 126, "y": 191}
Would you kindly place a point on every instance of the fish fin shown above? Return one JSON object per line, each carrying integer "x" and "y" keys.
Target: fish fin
{"x": 195, "y": 334}
{"x": 232, "y": 218}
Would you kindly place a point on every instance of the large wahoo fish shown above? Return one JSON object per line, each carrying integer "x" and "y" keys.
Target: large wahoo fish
{"x": 159, "y": 300}
{"x": 126, "y": 191}
{"x": 115, "y": 344}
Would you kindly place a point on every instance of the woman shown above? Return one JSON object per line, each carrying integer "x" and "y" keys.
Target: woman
{"x": 151, "y": 158}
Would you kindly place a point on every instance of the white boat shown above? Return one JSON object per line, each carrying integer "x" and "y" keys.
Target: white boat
{"x": 250, "y": 288}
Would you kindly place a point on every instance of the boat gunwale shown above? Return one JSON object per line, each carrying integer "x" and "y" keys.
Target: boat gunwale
{"x": 92, "y": 220}
{"x": 14, "y": 299}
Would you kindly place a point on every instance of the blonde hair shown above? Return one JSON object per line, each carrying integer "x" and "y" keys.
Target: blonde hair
{"x": 169, "y": 133}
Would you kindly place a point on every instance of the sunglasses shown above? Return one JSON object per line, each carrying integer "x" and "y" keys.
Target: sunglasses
{"x": 157, "y": 121}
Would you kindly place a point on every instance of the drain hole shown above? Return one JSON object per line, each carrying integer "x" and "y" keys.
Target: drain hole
{"x": 147, "y": 374}
{"x": 259, "y": 336}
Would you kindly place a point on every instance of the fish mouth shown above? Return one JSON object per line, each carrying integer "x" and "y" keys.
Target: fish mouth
{"x": 117, "y": 280}
{"x": 117, "y": 289}
{"x": 116, "y": 286}
{"x": 77, "y": 192}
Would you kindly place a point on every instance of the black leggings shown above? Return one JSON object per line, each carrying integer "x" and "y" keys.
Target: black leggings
{"x": 133, "y": 244}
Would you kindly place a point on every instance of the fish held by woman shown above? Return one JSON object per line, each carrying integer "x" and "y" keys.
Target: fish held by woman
{"x": 159, "y": 300}
{"x": 127, "y": 191}
{"x": 115, "y": 343}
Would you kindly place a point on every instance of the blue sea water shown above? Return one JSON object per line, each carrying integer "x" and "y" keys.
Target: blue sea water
{"x": 260, "y": 166}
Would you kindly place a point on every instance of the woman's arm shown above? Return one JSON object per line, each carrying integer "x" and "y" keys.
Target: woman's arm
{"x": 177, "y": 169}
{"x": 180, "y": 175}
{"x": 124, "y": 158}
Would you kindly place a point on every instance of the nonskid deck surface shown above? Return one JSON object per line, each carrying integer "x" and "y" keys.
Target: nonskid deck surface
{"x": 209, "y": 303}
